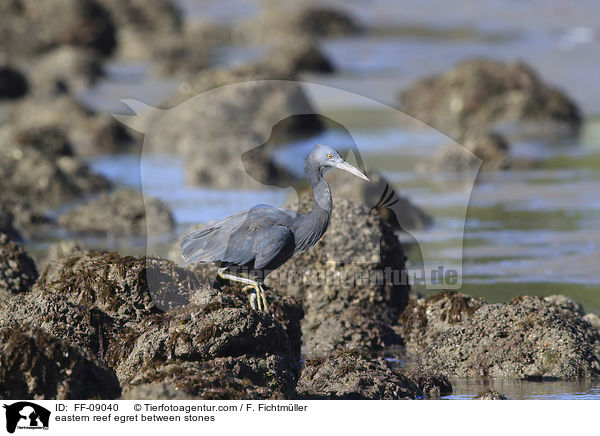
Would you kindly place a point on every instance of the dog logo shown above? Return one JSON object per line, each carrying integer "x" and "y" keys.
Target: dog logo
{"x": 26, "y": 415}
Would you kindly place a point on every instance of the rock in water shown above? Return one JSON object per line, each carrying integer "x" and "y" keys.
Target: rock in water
{"x": 484, "y": 92}
{"x": 124, "y": 211}
{"x": 17, "y": 270}
{"x": 489, "y": 150}
{"x": 30, "y": 27}
{"x": 530, "y": 337}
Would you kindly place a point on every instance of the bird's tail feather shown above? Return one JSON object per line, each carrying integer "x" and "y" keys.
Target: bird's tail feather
{"x": 198, "y": 247}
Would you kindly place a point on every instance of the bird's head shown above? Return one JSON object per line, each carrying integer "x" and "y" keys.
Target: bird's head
{"x": 324, "y": 157}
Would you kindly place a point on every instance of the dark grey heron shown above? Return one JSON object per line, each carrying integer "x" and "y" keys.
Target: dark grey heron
{"x": 264, "y": 238}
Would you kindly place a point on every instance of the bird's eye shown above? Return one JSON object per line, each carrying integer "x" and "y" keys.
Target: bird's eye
{"x": 329, "y": 156}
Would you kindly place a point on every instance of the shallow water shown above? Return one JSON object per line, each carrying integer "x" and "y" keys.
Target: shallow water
{"x": 531, "y": 230}
{"x": 467, "y": 389}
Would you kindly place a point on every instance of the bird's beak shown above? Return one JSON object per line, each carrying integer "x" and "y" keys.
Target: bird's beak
{"x": 347, "y": 167}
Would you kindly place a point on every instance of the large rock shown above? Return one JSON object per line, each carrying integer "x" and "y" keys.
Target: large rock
{"x": 124, "y": 211}
{"x": 30, "y": 27}
{"x": 261, "y": 98}
{"x": 34, "y": 365}
{"x": 530, "y": 337}
{"x": 42, "y": 174}
{"x": 351, "y": 376}
{"x": 351, "y": 274}
{"x": 215, "y": 130}
{"x": 89, "y": 132}
{"x": 483, "y": 92}
{"x": 17, "y": 270}
{"x": 223, "y": 166}
{"x": 210, "y": 344}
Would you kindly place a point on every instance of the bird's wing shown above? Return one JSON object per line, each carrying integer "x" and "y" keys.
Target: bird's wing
{"x": 233, "y": 239}
{"x": 275, "y": 246}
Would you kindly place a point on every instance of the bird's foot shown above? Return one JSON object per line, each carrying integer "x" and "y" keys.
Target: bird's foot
{"x": 257, "y": 298}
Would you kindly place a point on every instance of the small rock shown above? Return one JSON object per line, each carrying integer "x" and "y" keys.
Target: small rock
{"x": 26, "y": 217}
{"x": 432, "y": 384}
{"x": 490, "y": 395}
{"x": 488, "y": 150}
{"x": 18, "y": 272}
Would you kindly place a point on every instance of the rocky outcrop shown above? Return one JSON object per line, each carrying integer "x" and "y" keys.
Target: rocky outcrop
{"x": 59, "y": 176}
{"x": 530, "y": 337}
{"x": 348, "y": 281}
{"x": 88, "y": 132}
{"x": 110, "y": 310}
{"x": 29, "y": 27}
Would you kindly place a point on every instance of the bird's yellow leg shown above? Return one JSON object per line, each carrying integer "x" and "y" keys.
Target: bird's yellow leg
{"x": 251, "y": 296}
{"x": 263, "y": 298}
{"x": 257, "y": 299}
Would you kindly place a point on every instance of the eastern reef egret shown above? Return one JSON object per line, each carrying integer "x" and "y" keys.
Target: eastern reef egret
{"x": 264, "y": 237}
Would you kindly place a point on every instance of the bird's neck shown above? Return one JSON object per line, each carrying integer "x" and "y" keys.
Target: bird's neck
{"x": 313, "y": 225}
